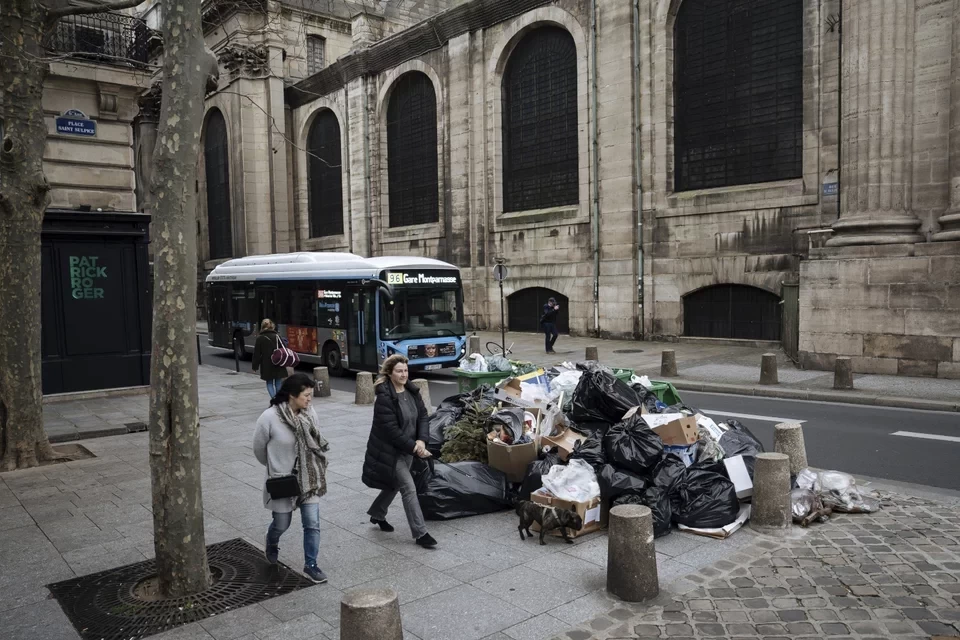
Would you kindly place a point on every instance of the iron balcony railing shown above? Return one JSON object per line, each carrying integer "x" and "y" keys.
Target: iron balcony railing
{"x": 110, "y": 38}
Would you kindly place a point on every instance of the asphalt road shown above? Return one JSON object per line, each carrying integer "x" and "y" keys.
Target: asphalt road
{"x": 853, "y": 438}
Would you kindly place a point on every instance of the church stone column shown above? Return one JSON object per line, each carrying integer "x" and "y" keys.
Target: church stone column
{"x": 950, "y": 221}
{"x": 877, "y": 125}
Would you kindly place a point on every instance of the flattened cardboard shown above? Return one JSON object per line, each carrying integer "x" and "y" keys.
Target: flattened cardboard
{"x": 593, "y": 513}
{"x": 511, "y": 459}
{"x": 737, "y": 472}
{"x": 563, "y": 443}
{"x": 680, "y": 432}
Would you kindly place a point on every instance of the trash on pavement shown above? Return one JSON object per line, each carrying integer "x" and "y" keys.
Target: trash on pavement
{"x": 739, "y": 441}
{"x": 658, "y": 500}
{"x": 721, "y": 532}
{"x": 687, "y": 452}
{"x": 590, "y": 450}
{"x": 737, "y": 472}
{"x": 601, "y": 397}
{"x": 564, "y": 443}
{"x": 535, "y": 471}
{"x": 704, "y": 500}
{"x": 592, "y": 511}
{"x": 461, "y": 489}
{"x": 631, "y": 445}
{"x": 615, "y": 482}
{"x": 474, "y": 362}
{"x": 499, "y": 363}
{"x": 576, "y": 482}
{"x": 840, "y": 491}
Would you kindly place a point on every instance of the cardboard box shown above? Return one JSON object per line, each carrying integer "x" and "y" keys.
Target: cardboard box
{"x": 679, "y": 432}
{"x": 737, "y": 472}
{"x": 594, "y": 513}
{"x": 511, "y": 459}
{"x": 510, "y": 390}
{"x": 563, "y": 443}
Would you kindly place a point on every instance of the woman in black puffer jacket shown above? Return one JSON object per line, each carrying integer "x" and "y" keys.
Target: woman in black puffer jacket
{"x": 399, "y": 432}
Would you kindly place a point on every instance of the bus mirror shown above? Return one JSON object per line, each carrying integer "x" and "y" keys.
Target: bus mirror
{"x": 383, "y": 286}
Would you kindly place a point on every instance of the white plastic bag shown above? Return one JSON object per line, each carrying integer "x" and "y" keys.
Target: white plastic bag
{"x": 576, "y": 482}
{"x": 840, "y": 491}
{"x": 533, "y": 392}
{"x": 643, "y": 381}
{"x": 475, "y": 363}
{"x": 564, "y": 383}
{"x": 806, "y": 479}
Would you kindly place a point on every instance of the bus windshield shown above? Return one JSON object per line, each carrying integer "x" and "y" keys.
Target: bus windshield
{"x": 422, "y": 313}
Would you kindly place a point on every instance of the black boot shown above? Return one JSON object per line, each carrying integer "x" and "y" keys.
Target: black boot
{"x": 383, "y": 524}
{"x": 426, "y": 541}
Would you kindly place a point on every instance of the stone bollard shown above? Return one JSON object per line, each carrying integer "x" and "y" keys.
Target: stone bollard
{"x": 473, "y": 345}
{"x": 788, "y": 439}
{"x": 424, "y": 388}
{"x": 843, "y": 373}
{"x": 370, "y": 614}
{"x": 364, "y": 388}
{"x": 591, "y": 354}
{"x": 631, "y": 557}
{"x": 768, "y": 369}
{"x": 771, "y": 512}
{"x": 668, "y": 363}
{"x": 321, "y": 382}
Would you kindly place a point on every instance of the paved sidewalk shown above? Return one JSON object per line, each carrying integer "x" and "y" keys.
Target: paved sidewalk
{"x": 73, "y": 519}
{"x": 893, "y": 574}
{"x": 722, "y": 368}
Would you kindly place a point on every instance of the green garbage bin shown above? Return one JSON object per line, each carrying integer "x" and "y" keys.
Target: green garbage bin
{"x": 623, "y": 374}
{"x": 665, "y": 392}
{"x": 470, "y": 380}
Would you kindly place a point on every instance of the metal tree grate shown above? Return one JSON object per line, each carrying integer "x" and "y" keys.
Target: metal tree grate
{"x": 103, "y": 606}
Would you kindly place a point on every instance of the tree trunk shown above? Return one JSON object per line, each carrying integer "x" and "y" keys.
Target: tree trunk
{"x": 181, "y": 553}
{"x": 23, "y": 200}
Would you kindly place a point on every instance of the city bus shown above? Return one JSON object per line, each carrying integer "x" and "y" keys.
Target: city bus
{"x": 341, "y": 310}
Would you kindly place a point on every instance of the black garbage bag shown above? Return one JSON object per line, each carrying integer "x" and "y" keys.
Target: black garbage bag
{"x": 704, "y": 500}
{"x": 648, "y": 399}
{"x": 668, "y": 472}
{"x": 512, "y": 419}
{"x": 589, "y": 428}
{"x": 659, "y": 503}
{"x": 616, "y": 482}
{"x": 739, "y": 441}
{"x": 632, "y": 445}
{"x": 439, "y": 421}
{"x": 535, "y": 472}
{"x": 593, "y": 365}
{"x": 600, "y": 397}
{"x": 590, "y": 451}
{"x": 461, "y": 489}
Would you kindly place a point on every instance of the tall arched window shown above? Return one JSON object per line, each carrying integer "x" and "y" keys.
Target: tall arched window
{"x": 216, "y": 159}
{"x": 325, "y": 196}
{"x": 738, "y": 79}
{"x": 540, "y": 155}
{"x": 412, "y": 151}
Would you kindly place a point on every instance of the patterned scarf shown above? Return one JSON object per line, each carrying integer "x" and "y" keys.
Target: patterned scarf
{"x": 311, "y": 465}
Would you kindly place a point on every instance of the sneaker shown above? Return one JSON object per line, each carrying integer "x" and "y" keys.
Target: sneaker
{"x": 426, "y": 541}
{"x": 383, "y": 524}
{"x": 316, "y": 574}
{"x": 272, "y": 554}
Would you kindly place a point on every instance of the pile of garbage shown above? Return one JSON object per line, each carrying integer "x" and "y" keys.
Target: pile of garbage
{"x": 584, "y": 437}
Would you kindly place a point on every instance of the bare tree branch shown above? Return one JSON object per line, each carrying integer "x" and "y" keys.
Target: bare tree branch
{"x": 60, "y": 8}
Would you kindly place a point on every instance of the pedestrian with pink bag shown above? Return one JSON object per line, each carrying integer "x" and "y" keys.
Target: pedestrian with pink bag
{"x": 271, "y": 357}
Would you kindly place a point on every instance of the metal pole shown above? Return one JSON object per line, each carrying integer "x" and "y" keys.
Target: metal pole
{"x": 503, "y": 328}
{"x": 199, "y": 356}
{"x": 236, "y": 359}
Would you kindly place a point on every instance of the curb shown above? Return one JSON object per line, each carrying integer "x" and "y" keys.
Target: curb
{"x": 816, "y": 395}
{"x": 97, "y": 393}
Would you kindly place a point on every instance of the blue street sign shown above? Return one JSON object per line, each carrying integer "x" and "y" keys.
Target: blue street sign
{"x": 829, "y": 188}
{"x": 75, "y": 123}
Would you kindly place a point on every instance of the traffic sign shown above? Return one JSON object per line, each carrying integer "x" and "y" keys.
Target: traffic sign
{"x": 500, "y": 272}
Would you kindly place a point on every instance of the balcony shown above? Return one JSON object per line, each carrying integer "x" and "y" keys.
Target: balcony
{"x": 105, "y": 38}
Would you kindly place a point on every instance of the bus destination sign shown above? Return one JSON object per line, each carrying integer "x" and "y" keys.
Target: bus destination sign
{"x": 419, "y": 278}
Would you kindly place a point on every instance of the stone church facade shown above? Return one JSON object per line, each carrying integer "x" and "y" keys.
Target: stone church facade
{"x": 767, "y": 170}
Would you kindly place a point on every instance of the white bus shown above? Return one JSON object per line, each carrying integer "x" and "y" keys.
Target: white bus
{"x": 341, "y": 310}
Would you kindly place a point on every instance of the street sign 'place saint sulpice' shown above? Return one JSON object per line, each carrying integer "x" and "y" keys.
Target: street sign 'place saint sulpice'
{"x": 76, "y": 123}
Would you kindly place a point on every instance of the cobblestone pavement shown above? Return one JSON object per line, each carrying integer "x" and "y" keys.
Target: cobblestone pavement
{"x": 893, "y": 574}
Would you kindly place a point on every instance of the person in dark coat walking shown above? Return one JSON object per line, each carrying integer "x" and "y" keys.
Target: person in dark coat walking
{"x": 267, "y": 342}
{"x": 549, "y": 323}
{"x": 399, "y": 432}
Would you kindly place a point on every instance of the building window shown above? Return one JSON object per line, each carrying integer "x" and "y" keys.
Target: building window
{"x": 315, "y": 45}
{"x": 216, "y": 160}
{"x": 540, "y": 155}
{"x": 732, "y": 311}
{"x": 324, "y": 176}
{"x": 738, "y": 80}
{"x": 412, "y": 151}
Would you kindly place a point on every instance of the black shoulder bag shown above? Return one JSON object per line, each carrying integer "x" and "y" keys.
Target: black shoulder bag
{"x": 287, "y": 486}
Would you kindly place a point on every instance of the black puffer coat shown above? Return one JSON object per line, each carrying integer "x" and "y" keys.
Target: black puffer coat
{"x": 386, "y": 436}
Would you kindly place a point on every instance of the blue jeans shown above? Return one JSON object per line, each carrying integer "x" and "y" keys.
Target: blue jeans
{"x": 273, "y": 386}
{"x": 550, "y": 334}
{"x": 310, "y": 516}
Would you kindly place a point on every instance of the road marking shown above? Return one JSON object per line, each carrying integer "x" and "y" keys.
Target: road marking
{"x": 750, "y": 416}
{"x": 443, "y": 382}
{"x": 926, "y": 436}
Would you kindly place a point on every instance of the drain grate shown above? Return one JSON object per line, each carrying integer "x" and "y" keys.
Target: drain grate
{"x": 103, "y": 606}
{"x": 628, "y": 350}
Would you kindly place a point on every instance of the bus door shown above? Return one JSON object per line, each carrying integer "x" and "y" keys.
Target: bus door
{"x": 362, "y": 329}
{"x": 218, "y": 316}
{"x": 266, "y": 305}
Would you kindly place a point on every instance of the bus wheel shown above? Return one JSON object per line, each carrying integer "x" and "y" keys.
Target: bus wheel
{"x": 239, "y": 351}
{"x": 332, "y": 360}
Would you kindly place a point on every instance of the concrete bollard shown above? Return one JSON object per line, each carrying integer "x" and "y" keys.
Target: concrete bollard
{"x": 771, "y": 512}
{"x": 473, "y": 345}
{"x": 631, "y": 557}
{"x": 424, "y": 388}
{"x": 370, "y": 614}
{"x": 843, "y": 373}
{"x": 768, "y": 369}
{"x": 364, "y": 388}
{"x": 788, "y": 439}
{"x": 591, "y": 354}
{"x": 668, "y": 363}
{"x": 321, "y": 382}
